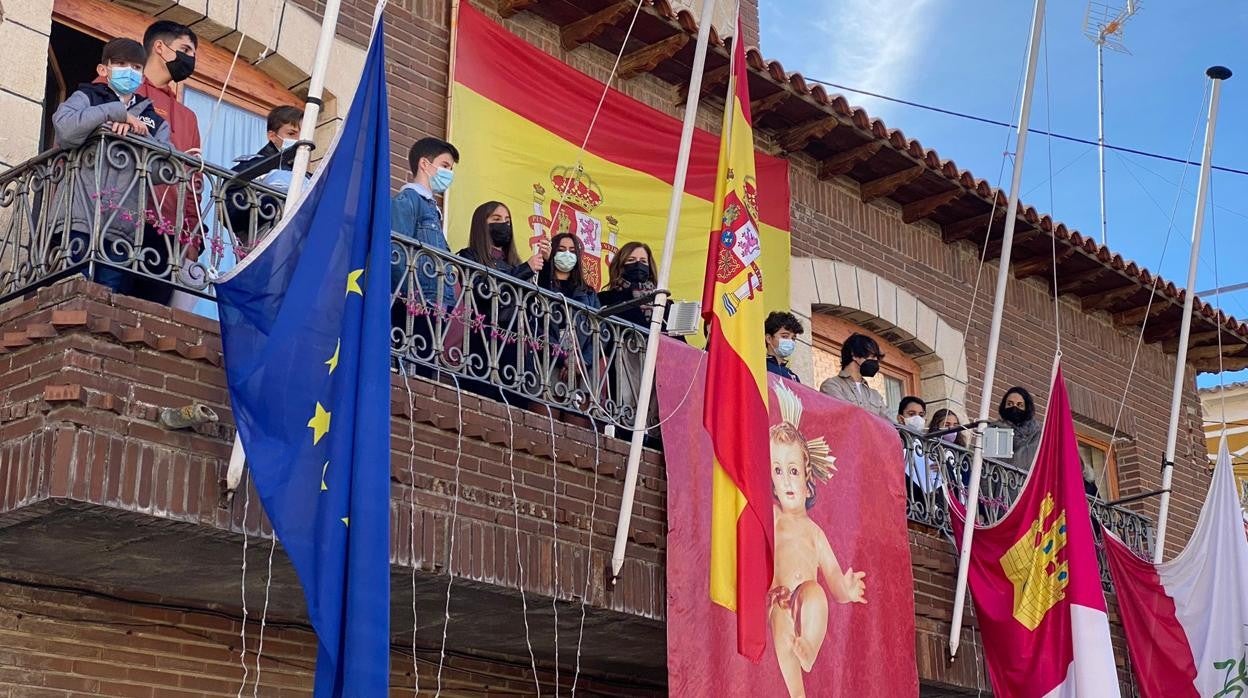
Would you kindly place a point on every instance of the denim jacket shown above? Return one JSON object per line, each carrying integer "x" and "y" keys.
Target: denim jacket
{"x": 415, "y": 216}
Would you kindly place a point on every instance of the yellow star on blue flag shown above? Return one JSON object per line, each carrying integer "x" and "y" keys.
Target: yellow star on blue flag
{"x": 283, "y": 311}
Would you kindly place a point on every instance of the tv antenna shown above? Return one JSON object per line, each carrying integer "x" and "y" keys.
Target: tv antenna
{"x": 1103, "y": 24}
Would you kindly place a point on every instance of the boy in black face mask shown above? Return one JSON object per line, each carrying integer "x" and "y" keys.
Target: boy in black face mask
{"x": 1018, "y": 412}
{"x": 171, "y": 59}
{"x": 860, "y": 359}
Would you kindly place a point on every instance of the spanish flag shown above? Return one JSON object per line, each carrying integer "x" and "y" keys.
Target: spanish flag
{"x": 735, "y": 411}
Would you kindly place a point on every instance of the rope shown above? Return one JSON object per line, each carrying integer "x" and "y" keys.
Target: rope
{"x": 1152, "y": 293}
{"x": 450, "y": 552}
{"x": 264, "y": 616}
{"x": 554, "y": 528}
{"x": 606, "y": 89}
{"x": 515, "y": 508}
{"x": 589, "y": 553}
{"x": 1048, "y": 126}
{"x": 242, "y": 633}
{"x": 411, "y": 507}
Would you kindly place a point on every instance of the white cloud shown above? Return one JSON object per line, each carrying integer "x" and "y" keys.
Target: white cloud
{"x": 873, "y": 45}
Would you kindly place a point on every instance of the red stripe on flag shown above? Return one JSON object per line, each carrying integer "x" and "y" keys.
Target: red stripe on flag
{"x": 492, "y": 61}
{"x": 1160, "y": 653}
{"x": 732, "y": 402}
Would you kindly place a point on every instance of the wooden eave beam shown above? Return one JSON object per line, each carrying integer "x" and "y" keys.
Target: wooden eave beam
{"x": 1039, "y": 264}
{"x": 508, "y": 8}
{"x": 973, "y": 226}
{"x": 1162, "y": 328}
{"x": 1074, "y": 283}
{"x": 1110, "y": 297}
{"x": 890, "y": 183}
{"x": 1195, "y": 339}
{"x": 796, "y": 138}
{"x": 922, "y": 208}
{"x": 1212, "y": 352}
{"x": 1020, "y": 237}
{"x": 766, "y": 105}
{"x": 842, "y": 163}
{"x": 646, "y": 59}
{"x": 589, "y": 28}
{"x": 711, "y": 80}
{"x": 1132, "y": 317}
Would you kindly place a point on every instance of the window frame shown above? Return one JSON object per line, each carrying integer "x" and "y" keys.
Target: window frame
{"x": 1085, "y": 438}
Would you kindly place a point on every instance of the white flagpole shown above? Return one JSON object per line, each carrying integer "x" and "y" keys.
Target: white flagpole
{"x": 1217, "y": 74}
{"x": 303, "y": 155}
{"x": 660, "y": 300}
{"x": 994, "y": 334}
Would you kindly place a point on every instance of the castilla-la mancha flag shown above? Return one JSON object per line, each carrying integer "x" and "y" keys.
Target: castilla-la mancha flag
{"x": 1035, "y": 579}
{"x": 1186, "y": 620}
{"x": 735, "y": 412}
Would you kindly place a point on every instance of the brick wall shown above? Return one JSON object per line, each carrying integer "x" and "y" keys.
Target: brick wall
{"x": 57, "y": 642}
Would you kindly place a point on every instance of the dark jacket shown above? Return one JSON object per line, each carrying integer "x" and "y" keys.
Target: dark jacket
{"x": 482, "y": 294}
{"x": 774, "y": 366}
{"x": 104, "y": 183}
{"x": 269, "y": 207}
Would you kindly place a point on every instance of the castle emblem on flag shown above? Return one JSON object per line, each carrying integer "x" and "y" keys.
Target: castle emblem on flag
{"x": 1032, "y": 565}
{"x": 568, "y": 208}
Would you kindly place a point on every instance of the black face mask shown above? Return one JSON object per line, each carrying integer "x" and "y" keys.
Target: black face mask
{"x": 636, "y": 273}
{"x": 869, "y": 368}
{"x": 181, "y": 67}
{"x": 1014, "y": 415}
{"x": 500, "y": 234}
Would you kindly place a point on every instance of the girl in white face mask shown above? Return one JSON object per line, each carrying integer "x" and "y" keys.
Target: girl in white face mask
{"x": 572, "y": 333}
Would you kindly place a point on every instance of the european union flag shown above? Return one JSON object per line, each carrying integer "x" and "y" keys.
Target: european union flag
{"x": 305, "y": 321}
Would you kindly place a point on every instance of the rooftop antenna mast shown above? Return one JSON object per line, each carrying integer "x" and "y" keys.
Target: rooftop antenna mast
{"x": 1103, "y": 23}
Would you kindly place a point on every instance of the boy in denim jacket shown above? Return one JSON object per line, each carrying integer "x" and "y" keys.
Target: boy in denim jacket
{"x": 414, "y": 214}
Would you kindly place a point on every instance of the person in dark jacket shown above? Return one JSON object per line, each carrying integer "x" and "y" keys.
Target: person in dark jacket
{"x": 106, "y": 187}
{"x": 277, "y": 155}
{"x": 564, "y": 276}
{"x": 632, "y": 275}
{"x": 1018, "y": 412}
{"x": 782, "y": 331}
{"x": 491, "y": 244}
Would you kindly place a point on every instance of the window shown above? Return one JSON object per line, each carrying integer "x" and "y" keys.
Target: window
{"x": 1094, "y": 452}
{"x": 898, "y": 376}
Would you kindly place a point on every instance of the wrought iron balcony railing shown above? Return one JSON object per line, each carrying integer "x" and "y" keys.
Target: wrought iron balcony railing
{"x": 133, "y": 208}
{"x": 932, "y": 461}
{"x": 140, "y": 209}
{"x": 129, "y": 205}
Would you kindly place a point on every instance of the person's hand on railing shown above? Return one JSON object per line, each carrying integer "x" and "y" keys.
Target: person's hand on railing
{"x": 540, "y": 254}
{"x": 130, "y": 125}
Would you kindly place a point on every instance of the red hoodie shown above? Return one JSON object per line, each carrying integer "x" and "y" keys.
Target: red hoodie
{"x": 184, "y": 135}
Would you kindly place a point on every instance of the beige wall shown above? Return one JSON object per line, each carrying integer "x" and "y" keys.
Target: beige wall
{"x": 24, "y": 34}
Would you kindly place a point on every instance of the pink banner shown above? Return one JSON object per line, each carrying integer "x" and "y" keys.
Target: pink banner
{"x": 841, "y": 605}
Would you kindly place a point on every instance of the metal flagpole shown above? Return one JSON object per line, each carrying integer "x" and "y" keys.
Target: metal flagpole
{"x": 303, "y": 155}
{"x": 1100, "y": 132}
{"x": 994, "y": 334}
{"x": 1217, "y": 74}
{"x": 660, "y": 299}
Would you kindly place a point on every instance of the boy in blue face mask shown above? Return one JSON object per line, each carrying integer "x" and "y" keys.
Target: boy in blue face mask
{"x": 782, "y": 330}
{"x": 103, "y": 202}
{"x": 416, "y": 215}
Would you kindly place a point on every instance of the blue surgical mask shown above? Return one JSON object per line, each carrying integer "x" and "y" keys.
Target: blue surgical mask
{"x": 785, "y": 348}
{"x": 441, "y": 180}
{"x": 124, "y": 80}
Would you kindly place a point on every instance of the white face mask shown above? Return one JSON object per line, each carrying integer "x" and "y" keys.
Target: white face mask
{"x": 288, "y": 143}
{"x": 565, "y": 261}
{"x": 915, "y": 421}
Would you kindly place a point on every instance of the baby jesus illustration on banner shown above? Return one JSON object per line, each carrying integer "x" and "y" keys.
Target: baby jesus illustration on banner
{"x": 797, "y": 603}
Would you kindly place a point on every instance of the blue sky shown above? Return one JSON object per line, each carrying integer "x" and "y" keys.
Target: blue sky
{"x": 968, "y": 56}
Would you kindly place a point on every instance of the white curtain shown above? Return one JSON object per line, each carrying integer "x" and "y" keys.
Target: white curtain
{"x": 234, "y": 132}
